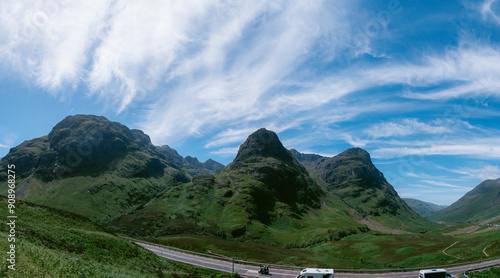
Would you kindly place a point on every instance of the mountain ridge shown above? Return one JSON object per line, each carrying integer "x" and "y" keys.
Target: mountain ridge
{"x": 481, "y": 203}
{"x": 425, "y": 209}
{"x": 92, "y": 166}
{"x": 266, "y": 185}
{"x": 353, "y": 177}
{"x": 263, "y": 184}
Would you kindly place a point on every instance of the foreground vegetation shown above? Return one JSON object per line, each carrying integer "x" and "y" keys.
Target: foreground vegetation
{"x": 494, "y": 272}
{"x": 55, "y": 243}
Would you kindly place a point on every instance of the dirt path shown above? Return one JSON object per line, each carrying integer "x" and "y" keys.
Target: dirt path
{"x": 484, "y": 251}
{"x": 376, "y": 226}
{"x": 467, "y": 230}
{"x": 491, "y": 228}
{"x": 491, "y": 220}
{"x": 444, "y": 251}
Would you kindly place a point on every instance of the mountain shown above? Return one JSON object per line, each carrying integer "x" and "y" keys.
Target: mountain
{"x": 264, "y": 194}
{"x": 270, "y": 174}
{"x": 115, "y": 176}
{"x": 189, "y": 164}
{"x": 87, "y": 145}
{"x": 92, "y": 166}
{"x": 352, "y": 176}
{"x": 481, "y": 203}
{"x": 267, "y": 195}
{"x": 425, "y": 209}
{"x": 56, "y": 243}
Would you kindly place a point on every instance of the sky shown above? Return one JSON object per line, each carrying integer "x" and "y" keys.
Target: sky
{"x": 415, "y": 83}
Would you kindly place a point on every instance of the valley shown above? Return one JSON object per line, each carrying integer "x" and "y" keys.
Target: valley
{"x": 270, "y": 205}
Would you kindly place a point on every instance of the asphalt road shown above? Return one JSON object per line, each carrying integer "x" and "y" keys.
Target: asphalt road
{"x": 282, "y": 273}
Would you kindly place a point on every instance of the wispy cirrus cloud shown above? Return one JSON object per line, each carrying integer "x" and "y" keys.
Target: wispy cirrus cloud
{"x": 50, "y": 41}
{"x": 490, "y": 10}
{"x": 480, "y": 148}
{"x": 230, "y": 136}
{"x": 200, "y": 65}
{"x": 226, "y": 152}
{"x": 411, "y": 126}
{"x": 485, "y": 172}
{"x": 445, "y": 184}
{"x": 249, "y": 84}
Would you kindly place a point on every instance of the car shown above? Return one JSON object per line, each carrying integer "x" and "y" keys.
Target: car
{"x": 316, "y": 273}
{"x": 434, "y": 273}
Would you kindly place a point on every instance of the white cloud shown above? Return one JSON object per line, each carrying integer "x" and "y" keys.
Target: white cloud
{"x": 486, "y": 149}
{"x": 247, "y": 85}
{"x": 483, "y": 173}
{"x": 50, "y": 40}
{"x": 203, "y": 65}
{"x": 230, "y": 136}
{"x": 421, "y": 186}
{"x": 405, "y": 127}
{"x": 445, "y": 184}
{"x": 489, "y": 10}
{"x": 226, "y": 152}
{"x": 355, "y": 142}
{"x": 473, "y": 70}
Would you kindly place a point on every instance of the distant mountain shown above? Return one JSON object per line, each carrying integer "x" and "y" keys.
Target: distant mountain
{"x": 425, "y": 209}
{"x": 352, "y": 176}
{"x": 92, "y": 166}
{"x": 481, "y": 203}
{"x": 189, "y": 164}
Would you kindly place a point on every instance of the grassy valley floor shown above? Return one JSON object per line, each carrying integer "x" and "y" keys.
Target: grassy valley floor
{"x": 371, "y": 250}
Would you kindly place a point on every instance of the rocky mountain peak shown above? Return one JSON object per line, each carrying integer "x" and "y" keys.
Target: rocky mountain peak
{"x": 262, "y": 143}
{"x": 352, "y": 164}
{"x": 87, "y": 145}
{"x": 94, "y": 130}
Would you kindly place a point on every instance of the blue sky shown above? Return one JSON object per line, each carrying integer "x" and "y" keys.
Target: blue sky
{"x": 415, "y": 83}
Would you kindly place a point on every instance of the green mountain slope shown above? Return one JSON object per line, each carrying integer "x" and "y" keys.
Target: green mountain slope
{"x": 94, "y": 167}
{"x": 352, "y": 176}
{"x": 264, "y": 194}
{"x": 55, "y": 243}
{"x": 481, "y": 203}
{"x": 425, "y": 209}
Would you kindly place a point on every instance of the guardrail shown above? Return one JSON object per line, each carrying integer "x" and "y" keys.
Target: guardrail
{"x": 339, "y": 270}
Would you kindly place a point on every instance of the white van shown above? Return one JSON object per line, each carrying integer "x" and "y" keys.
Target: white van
{"x": 316, "y": 273}
{"x": 434, "y": 273}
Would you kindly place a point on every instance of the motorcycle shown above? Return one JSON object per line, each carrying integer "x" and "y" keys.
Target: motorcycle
{"x": 264, "y": 270}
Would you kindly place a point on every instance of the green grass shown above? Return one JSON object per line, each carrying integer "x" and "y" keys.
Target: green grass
{"x": 101, "y": 198}
{"x": 471, "y": 245}
{"x": 491, "y": 273}
{"x": 55, "y": 243}
{"x": 190, "y": 209}
{"x": 360, "y": 250}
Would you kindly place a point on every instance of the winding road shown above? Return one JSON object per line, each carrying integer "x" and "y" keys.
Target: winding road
{"x": 248, "y": 270}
